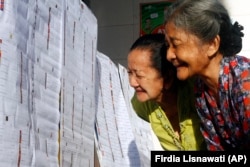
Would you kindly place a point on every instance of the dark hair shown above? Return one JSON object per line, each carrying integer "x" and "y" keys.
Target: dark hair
{"x": 206, "y": 19}
{"x": 156, "y": 44}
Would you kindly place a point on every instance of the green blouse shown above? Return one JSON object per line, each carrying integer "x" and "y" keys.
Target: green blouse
{"x": 191, "y": 137}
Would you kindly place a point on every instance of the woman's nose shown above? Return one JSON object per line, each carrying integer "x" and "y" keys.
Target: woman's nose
{"x": 133, "y": 81}
{"x": 170, "y": 54}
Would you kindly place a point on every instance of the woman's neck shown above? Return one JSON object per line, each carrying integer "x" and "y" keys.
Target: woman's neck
{"x": 211, "y": 75}
{"x": 169, "y": 106}
{"x": 169, "y": 102}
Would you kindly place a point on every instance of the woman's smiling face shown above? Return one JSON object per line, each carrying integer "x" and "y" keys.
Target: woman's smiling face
{"x": 186, "y": 52}
{"x": 146, "y": 80}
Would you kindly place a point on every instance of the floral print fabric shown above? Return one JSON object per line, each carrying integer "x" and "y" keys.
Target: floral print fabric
{"x": 226, "y": 123}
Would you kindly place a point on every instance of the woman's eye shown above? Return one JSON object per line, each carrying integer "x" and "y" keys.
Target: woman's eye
{"x": 139, "y": 76}
{"x": 175, "y": 45}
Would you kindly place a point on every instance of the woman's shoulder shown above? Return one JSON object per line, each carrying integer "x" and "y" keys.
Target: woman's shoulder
{"x": 235, "y": 66}
{"x": 243, "y": 61}
{"x": 143, "y": 109}
{"x": 236, "y": 61}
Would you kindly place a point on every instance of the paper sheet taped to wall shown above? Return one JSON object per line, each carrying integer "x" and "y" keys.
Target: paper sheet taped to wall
{"x": 120, "y": 132}
{"x": 78, "y": 84}
{"x": 30, "y": 82}
{"x": 46, "y": 48}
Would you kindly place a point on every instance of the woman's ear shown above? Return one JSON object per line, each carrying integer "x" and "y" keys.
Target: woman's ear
{"x": 213, "y": 46}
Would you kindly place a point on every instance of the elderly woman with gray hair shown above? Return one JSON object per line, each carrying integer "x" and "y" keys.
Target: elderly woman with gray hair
{"x": 203, "y": 43}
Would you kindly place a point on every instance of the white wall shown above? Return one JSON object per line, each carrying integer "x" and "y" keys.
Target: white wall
{"x": 118, "y": 25}
{"x": 239, "y": 11}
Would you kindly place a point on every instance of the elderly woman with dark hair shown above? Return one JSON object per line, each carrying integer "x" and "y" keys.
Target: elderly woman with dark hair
{"x": 160, "y": 98}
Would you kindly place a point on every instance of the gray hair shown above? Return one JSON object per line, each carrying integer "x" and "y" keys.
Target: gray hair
{"x": 206, "y": 19}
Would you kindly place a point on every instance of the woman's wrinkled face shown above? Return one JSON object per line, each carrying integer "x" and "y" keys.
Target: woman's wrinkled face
{"x": 186, "y": 52}
{"x": 146, "y": 80}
